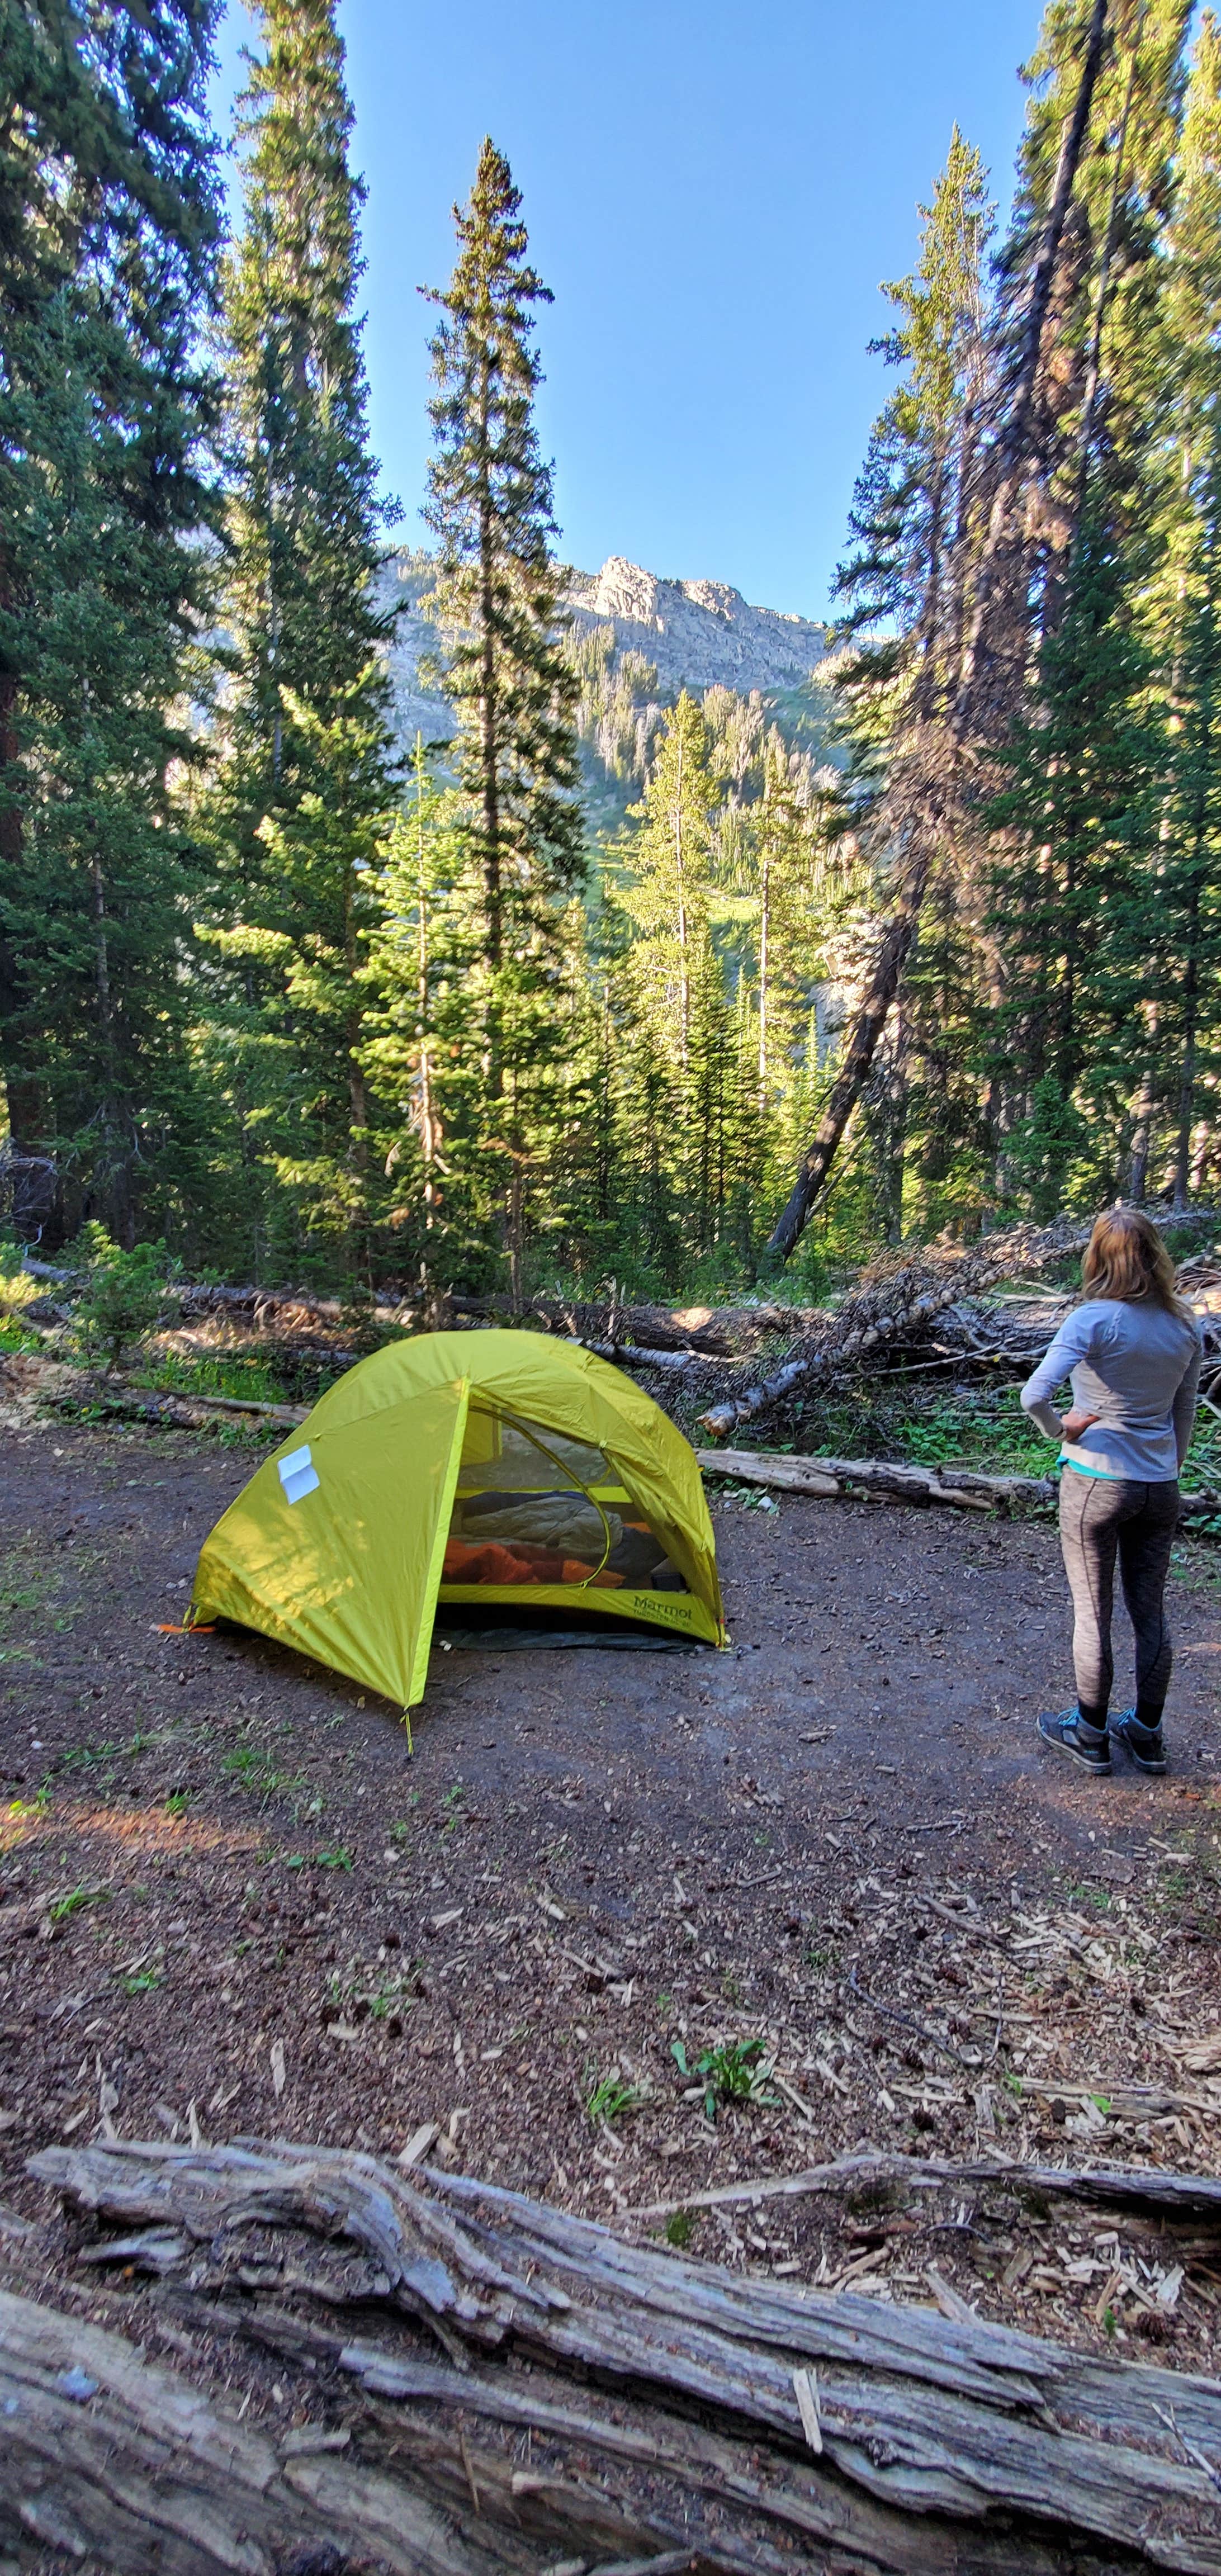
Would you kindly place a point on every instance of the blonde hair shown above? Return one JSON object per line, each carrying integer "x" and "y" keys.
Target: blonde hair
{"x": 1126, "y": 1259}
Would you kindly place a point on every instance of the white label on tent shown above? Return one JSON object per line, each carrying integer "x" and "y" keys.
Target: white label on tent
{"x": 298, "y": 1475}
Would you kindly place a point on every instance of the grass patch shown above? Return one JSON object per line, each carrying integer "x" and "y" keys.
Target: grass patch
{"x": 19, "y": 1338}
{"x": 231, "y": 1373}
{"x": 252, "y": 1768}
{"x": 66, "y": 1906}
{"x": 611, "y": 2097}
{"x": 29, "y": 1583}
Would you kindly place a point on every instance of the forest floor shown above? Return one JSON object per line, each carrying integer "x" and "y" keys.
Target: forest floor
{"x": 231, "y": 1904}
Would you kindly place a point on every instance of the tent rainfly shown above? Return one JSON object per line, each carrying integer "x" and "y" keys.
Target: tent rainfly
{"x": 482, "y": 1468}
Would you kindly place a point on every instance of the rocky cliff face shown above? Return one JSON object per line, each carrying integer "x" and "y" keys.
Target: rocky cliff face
{"x": 697, "y": 635}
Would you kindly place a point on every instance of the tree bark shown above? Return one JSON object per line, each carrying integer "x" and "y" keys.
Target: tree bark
{"x": 1015, "y": 439}
{"x": 680, "y": 2416}
{"x": 854, "y": 1070}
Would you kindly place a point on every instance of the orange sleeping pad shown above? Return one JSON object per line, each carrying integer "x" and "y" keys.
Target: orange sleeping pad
{"x": 498, "y": 1561}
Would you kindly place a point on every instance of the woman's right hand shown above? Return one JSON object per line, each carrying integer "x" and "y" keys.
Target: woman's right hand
{"x": 1074, "y": 1423}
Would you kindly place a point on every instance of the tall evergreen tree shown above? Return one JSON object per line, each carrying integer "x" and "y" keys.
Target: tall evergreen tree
{"x": 906, "y": 595}
{"x": 512, "y": 685}
{"x": 301, "y": 786}
{"x": 108, "y": 231}
{"x": 1170, "y": 928}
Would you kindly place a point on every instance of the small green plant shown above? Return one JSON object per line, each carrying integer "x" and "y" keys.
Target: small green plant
{"x": 25, "y": 1584}
{"x": 17, "y": 1289}
{"x": 1110, "y": 2324}
{"x": 734, "y": 2071}
{"x": 178, "y": 1802}
{"x": 254, "y": 1769}
{"x": 679, "y": 2228}
{"x": 66, "y": 1906}
{"x": 452, "y": 1804}
{"x": 144, "y": 1982}
{"x": 126, "y": 1295}
{"x": 611, "y": 2097}
{"x": 337, "y": 1859}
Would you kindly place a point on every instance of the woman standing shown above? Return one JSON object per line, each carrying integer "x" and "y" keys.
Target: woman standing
{"x": 1132, "y": 1350}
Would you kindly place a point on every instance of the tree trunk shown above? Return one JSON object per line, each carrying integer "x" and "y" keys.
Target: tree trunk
{"x": 679, "y": 2417}
{"x": 765, "y": 967}
{"x": 680, "y": 881}
{"x": 1142, "y": 1138}
{"x": 1093, "y": 371}
{"x": 1012, "y": 454}
{"x": 854, "y": 1070}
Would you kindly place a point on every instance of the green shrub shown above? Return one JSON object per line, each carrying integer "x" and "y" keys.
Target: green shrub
{"x": 17, "y": 1289}
{"x": 126, "y": 1295}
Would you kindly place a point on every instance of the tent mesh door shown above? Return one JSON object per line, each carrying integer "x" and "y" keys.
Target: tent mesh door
{"x": 533, "y": 1507}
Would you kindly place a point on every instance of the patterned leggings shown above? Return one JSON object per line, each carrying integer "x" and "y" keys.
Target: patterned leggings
{"x": 1101, "y": 1518}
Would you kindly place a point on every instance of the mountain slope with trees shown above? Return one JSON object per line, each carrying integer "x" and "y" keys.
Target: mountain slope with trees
{"x": 463, "y": 919}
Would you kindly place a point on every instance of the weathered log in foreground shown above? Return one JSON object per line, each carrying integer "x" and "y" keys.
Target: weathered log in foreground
{"x": 514, "y": 2389}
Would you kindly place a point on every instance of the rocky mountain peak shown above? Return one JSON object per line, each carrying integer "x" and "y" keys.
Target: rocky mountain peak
{"x": 696, "y": 634}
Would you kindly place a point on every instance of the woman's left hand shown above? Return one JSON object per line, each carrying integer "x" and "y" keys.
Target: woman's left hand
{"x": 1074, "y": 1423}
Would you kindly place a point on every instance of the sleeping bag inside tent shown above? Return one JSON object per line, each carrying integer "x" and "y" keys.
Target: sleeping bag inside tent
{"x": 476, "y": 1468}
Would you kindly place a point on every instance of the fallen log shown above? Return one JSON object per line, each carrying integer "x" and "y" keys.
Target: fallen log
{"x": 119, "y": 1402}
{"x": 105, "y": 2456}
{"x": 910, "y": 1297}
{"x": 897, "y": 1480}
{"x": 1143, "y": 2191}
{"x": 677, "y": 2415}
{"x": 829, "y": 1476}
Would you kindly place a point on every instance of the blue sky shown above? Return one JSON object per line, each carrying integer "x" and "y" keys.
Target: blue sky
{"x": 713, "y": 193}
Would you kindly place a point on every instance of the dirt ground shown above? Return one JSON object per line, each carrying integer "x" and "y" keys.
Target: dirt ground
{"x": 232, "y": 1905}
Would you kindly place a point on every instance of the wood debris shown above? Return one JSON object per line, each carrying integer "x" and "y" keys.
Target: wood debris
{"x": 882, "y": 2435}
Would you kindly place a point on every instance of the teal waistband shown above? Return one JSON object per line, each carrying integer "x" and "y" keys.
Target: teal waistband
{"x": 1107, "y": 1474}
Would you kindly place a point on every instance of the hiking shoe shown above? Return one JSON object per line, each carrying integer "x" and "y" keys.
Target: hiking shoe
{"x": 1067, "y": 1733}
{"x": 1146, "y": 1744}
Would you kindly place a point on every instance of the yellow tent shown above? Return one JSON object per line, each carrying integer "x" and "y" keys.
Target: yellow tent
{"x": 464, "y": 1467}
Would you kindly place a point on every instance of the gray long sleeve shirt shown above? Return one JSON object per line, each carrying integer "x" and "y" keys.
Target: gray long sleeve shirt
{"x": 1138, "y": 1368}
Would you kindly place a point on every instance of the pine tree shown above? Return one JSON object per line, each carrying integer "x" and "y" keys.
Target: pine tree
{"x": 906, "y": 596}
{"x": 108, "y": 230}
{"x": 512, "y": 685}
{"x": 514, "y": 692}
{"x": 1075, "y": 892}
{"x": 1169, "y": 947}
{"x": 301, "y": 787}
{"x": 1080, "y": 820}
{"x": 421, "y": 1042}
{"x": 671, "y": 862}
